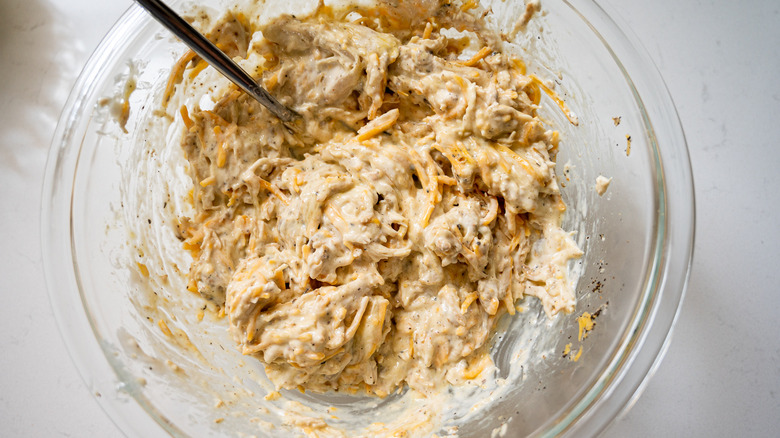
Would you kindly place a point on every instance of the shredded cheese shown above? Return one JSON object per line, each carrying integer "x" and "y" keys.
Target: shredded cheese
{"x": 199, "y": 67}
{"x": 378, "y": 125}
{"x": 274, "y": 190}
{"x": 470, "y": 298}
{"x": 554, "y": 96}
{"x": 185, "y": 117}
{"x": 520, "y": 65}
{"x": 585, "y": 323}
{"x": 176, "y": 75}
{"x": 164, "y": 328}
{"x": 143, "y": 269}
{"x": 208, "y": 181}
{"x": 469, "y": 4}
{"x": 221, "y": 155}
{"x": 428, "y": 30}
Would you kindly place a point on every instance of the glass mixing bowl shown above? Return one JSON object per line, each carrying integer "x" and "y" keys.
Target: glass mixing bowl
{"x": 637, "y": 239}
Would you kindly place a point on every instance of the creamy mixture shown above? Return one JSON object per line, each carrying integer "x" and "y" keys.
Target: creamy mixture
{"x": 379, "y": 248}
{"x": 602, "y": 183}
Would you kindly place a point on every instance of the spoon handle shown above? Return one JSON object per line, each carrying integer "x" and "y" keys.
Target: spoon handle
{"x": 215, "y": 57}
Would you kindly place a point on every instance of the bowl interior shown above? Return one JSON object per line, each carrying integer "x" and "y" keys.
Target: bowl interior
{"x": 196, "y": 383}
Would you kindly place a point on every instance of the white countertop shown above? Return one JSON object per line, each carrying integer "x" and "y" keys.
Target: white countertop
{"x": 720, "y": 59}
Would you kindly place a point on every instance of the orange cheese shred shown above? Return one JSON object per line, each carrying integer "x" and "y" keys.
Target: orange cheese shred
{"x": 176, "y": 75}
{"x": 554, "y": 96}
{"x": 485, "y": 51}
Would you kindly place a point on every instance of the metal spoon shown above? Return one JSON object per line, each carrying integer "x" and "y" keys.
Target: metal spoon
{"x": 215, "y": 57}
